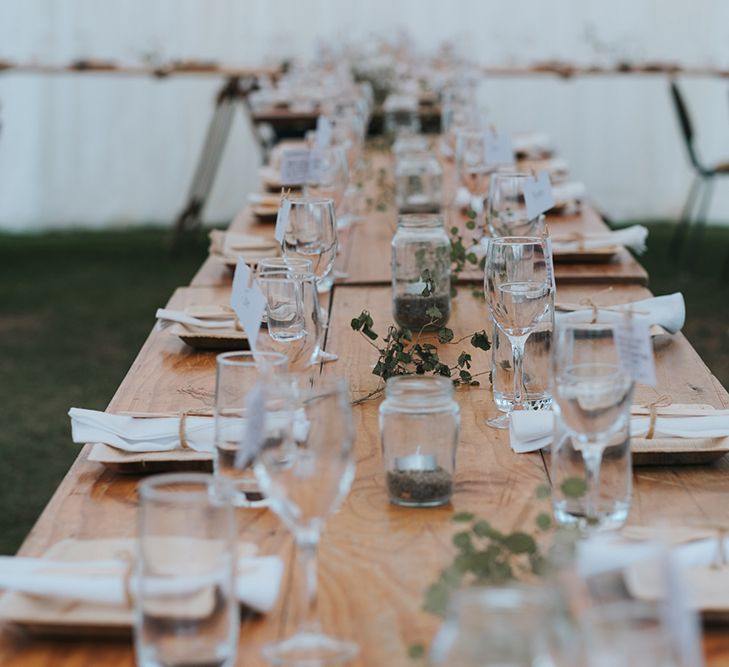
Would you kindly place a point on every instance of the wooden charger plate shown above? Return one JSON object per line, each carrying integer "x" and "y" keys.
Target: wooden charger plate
{"x": 211, "y": 339}
{"x": 592, "y": 255}
{"x": 52, "y": 616}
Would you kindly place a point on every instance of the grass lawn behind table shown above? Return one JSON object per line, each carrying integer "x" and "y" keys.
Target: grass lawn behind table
{"x": 77, "y": 306}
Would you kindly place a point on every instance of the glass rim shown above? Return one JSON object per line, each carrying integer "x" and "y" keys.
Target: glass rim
{"x": 425, "y": 219}
{"x": 306, "y": 200}
{"x": 516, "y": 240}
{"x": 249, "y": 360}
{"x": 282, "y": 262}
{"x": 512, "y": 174}
{"x": 149, "y": 488}
{"x": 286, "y": 274}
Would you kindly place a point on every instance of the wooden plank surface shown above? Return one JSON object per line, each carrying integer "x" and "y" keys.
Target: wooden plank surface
{"x": 376, "y": 559}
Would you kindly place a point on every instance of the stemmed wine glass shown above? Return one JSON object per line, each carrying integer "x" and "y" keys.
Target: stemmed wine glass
{"x": 305, "y": 479}
{"x": 518, "y": 291}
{"x": 592, "y": 395}
{"x": 473, "y": 171}
{"x": 312, "y": 234}
{"x": 506, "y": 213}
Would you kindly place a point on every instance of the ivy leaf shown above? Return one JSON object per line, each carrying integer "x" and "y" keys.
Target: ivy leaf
{"x": 471, "y": 214}
{"x": 472, "y": 258}
{"x": 543, "y": 492}
{"x": 483, "y": 529}
{"x": 369, "y": 333}
{"x": 454, "y": 292}
{"x": 464, "y": 360}
{"x": 520, "y": 543}
{"x": 445, "y": 335}
{"x": 416, "y": 651}
{"x": 463, "y": 517}
{"x": 463, "y": 541}
{"x": 574, "y": 487}
{"x": 436, "y": 598}
{"x": 480, "y": 341}
{"x": 544, "y": 521}
{"x": 471, "y": 224}
{"x": 433, "y": 311}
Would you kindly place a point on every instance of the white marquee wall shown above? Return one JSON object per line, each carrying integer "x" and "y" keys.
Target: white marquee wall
{"x": 97, "y": 150}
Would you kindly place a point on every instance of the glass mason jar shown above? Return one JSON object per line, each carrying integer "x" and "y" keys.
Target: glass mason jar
{"x": 421, "y": 273}
{"x": 418, "y": 182}
{"x": 401, "y": 115}
{"x": 419, "y": 425}
{"x": 537, "y": 353}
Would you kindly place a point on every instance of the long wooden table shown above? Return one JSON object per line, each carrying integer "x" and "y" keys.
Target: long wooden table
{"x": 376, "y": 559}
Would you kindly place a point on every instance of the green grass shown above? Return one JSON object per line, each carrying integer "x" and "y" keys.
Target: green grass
{"x": 75, "y": 309}
{"x": 77, "y": 306}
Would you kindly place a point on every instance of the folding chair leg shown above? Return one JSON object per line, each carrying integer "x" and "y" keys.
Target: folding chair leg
{"x": 685, "y": 221}
{"x": 700, "y": 225}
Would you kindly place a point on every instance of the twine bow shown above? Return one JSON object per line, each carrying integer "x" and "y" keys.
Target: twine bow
{"x": 663, "y": 401}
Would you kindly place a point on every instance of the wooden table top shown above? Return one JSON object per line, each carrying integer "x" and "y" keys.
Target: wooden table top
{"x": 370, "y": 590}
{"x": 366, "y": 244}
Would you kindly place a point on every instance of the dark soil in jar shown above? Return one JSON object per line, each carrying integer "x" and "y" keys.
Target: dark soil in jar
{"x": 410, "y": 311}
{"x": 420, "y": 486}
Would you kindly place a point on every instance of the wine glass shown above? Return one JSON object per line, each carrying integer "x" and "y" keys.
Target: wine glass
{"x": 329, "y": 176}
{"x": 312, "y": 234}
{"x": 518, "y": 291}
{"x": 506, "y": 213}
{"x": 293, "y": 314}
{"x": 305, "y": 479}
{"x": 473, "y": 171}
{"x": 592, "y": 395}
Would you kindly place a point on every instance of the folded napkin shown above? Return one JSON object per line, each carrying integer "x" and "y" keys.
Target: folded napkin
{"x": 208, "y": 322}
{"x": 565, "y": 193}
{"x": 464, "y": 199}
{"x": 106, "y": 582}
{"x": 159, "y": 434}
{"x": 264, "y": 199}
{"x": 631, "y": 237}
{"x": 530, "y": 430}
{"x": 668, "y": 311}
{"x": 533, "y": 144}
{"x": 141, "y": 434}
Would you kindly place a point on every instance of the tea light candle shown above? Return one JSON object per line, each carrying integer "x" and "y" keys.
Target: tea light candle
{"x": 416, "y": 462}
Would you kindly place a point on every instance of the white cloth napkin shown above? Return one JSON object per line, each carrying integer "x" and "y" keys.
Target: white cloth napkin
{"x": 140, "y": 434}
{"x": 668, "y": 311}
{"x": 167, "y": 315}
{"x": 257, "y": 583}
{"x": 631, "y": 237}
{"x": 568, "y": 192}
{"x": 464, "y": 199}
{"x": 533, "y": 144}
{"x": 530, "y": 430}
{"x": 159, "y": 434}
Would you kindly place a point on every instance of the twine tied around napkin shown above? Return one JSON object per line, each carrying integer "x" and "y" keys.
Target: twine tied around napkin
{"x": 663, "y": 401}
{"x": 183, "y": 416}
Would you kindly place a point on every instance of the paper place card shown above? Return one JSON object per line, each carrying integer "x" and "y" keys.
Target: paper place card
{"x": 498, "y": 149}
{"x": 247, "y": 301}
{"x": 323, "y": 132}
{"x": 282, "y": 220}
{"x": 255, "y": 426}
{"x": 538, "y": 195}
{"x": 294, "y": 166}
{"x": 635, "y": 352}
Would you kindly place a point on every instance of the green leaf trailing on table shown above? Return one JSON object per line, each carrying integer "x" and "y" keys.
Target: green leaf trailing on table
{"x": 401, "y": 353}
{"x": 461, "y": 257}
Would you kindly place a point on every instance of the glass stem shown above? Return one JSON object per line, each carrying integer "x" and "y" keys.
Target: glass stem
{"x": 517, "y": 351}
{"x": 306, "y": 547}
{"x": 592, "y": 457}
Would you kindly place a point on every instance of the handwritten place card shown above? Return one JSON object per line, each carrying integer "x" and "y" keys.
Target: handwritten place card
{"x": 282, "y": 220}
{"x": 254, "y": 427}
{"x": 247, "y": 301}
{"x": 294, "y": 166}
{"x": 498, "y": 149}
{"x": 538, "y": 195}
{"x": 323, "y": 132}
{"x": 635, "y": 351}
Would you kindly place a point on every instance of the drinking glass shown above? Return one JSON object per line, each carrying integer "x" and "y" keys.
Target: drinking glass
{"x": 592, "y": 395}
{"x": 293, "y": 316}
{"x": 519, "y": 293}
{"x": 329, "y": 177}
{"x": 185, "y": 610}
{"x": 236, "y": 374}
{"x": 473, "y": 171}
{"x": 506, "y": 213}
{"x": 305, "y": 479}
{"x": 312, "y": 234}
{"x": 629, "y": 633}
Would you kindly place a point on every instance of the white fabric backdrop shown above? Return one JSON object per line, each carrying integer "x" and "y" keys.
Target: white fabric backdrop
{"x": 97, "y": 150}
